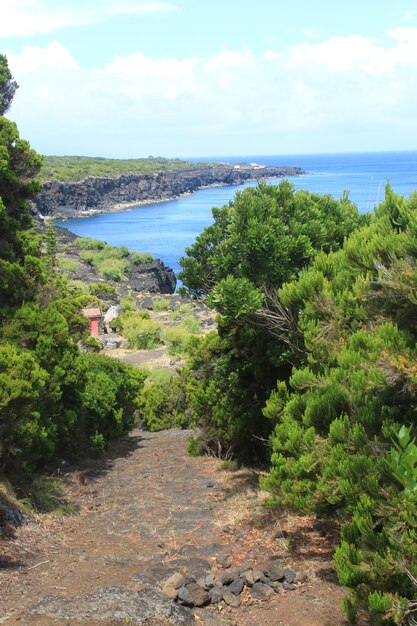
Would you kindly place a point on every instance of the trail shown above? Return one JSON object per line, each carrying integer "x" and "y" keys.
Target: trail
{"x": 147, "y": 510}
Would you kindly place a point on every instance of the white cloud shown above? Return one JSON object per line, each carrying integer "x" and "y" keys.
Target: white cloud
{"x": 22, "y": 18}
{"x": 54, "y": 56}
{"x": 138, "y": 104}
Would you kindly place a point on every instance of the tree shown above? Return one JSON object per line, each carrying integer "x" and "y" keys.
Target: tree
{"x": 261, "y": 239}
{"x": 8, "y": 86}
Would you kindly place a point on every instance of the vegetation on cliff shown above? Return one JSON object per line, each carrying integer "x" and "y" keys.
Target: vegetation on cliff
{"x": 73, "y": 168}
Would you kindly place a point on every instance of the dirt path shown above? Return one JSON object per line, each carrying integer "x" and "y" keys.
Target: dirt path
{"x": 145, "y": 512}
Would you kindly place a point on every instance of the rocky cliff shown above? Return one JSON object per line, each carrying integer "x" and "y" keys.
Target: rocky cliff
{"x": 152, "y": 277}
{"x": 63, "y": 200}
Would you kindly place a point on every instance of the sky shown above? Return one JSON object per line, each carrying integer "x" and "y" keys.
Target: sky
{"x": 190, "y": 78}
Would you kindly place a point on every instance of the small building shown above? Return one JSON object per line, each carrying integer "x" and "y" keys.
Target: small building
{"x": 95, "y": 316}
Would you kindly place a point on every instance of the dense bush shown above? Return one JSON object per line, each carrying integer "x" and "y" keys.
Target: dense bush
{"x": 54, "y": 401}
{"x": 262, "y": 238}
{"x": 337, "y": 418}
{"x": 139, "y": 330}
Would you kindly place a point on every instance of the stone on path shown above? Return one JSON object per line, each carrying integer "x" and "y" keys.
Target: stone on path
{"x": 260, "y": 591}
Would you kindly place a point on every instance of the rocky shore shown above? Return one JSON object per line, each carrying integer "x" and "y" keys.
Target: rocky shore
{"x": 99, "y": 195}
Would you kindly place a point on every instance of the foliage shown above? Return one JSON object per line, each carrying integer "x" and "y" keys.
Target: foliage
{"x": 161, "y": 304}
{"x": 103, "y": 291}
{"x": 336, "y": 415}
{"x": 8, "y": 86}
{"x": 54, "y": 400}
{"x": 138, "y": 258}
{"x": 262, "y": 238}
{"x": 162, "y": 405}
{"x": 127, "y": 303}
{"x": 74, "y": 168}
{"x": 139, "y": 331}
{"x": 69, "y": 265}
{"x": 180, "y": 340}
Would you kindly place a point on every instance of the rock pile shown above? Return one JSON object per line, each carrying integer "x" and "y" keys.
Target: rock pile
{"x": 225, "y": 588}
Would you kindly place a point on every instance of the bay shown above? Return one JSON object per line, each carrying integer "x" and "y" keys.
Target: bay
{"x": 166, "y": 228}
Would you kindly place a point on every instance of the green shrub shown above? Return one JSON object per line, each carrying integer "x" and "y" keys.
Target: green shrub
{"x": 162, "y": 405}
{"x": 179, "y": 340}
{"x": 228, "y": 466}
{"x": 192, "y": 324}
{"x": 112, "y": 268}
{"x": 194, "y": 446}
{"x": 87, "y": 256}
{"x": 85, "y": 243}
{"x": 139, "y": 331}
{"x": 184, "y": 309}
{"x": 103, "y": 290}
{"x": 163, "y": 304}
{"x": 159, "y": 375}
{"x": 92, "y": 344}
{"x": 138, "y": 258}
{"x": 128, "y": 303}
{"x": 69, "y": 265}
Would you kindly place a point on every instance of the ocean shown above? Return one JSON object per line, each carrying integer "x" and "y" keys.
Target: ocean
{"x": 165, "y": 229}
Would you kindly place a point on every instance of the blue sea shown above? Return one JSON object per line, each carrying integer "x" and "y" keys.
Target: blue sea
{"x": 165, "y": 229}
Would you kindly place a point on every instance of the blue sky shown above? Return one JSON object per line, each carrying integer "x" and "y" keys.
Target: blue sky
{"x": 129, "y": 78}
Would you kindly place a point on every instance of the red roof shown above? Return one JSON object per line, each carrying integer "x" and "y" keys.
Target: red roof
{"x": 92, "y": 312}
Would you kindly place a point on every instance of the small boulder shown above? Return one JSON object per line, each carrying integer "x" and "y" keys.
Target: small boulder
{"x": 231, "y": 599}
{"x": 236, "y": 586}
{"x": 227, "y": 578}
{"x": 289, "y": 575}
{"x": 171, "y": 585}
{"x": 216, "y": 595}
{"x": 275, "y": 571}
{"x": 260, "y": 591}
{"x": 200, "y": 597}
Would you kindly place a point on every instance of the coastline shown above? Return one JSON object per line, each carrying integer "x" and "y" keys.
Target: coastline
{"x": 96, "y": 196}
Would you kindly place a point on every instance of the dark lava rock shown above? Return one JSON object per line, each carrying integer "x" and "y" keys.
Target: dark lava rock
{"x": 11, "y": 515}
{"x": 236, "y": 586}
{"x": 216, "y": 595}
{"x": 109, "y": 603}
{"x": 194, "y": 595}
{"x": 185, "y": 597}
{"x": 261, "y": 592}
{"x": 72, "y": 199}
{"x": 289, "y": 575}
{"x": 227, "y": 578}
{"x": 275, "y": 571}
{"x": 230, "y": 598}
{"x": 209, "y": 581}
{"x": 265, "y": 580}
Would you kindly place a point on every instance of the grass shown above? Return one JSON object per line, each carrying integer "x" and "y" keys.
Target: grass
{"x": 68, "y": 265}
{"x": 180, "y": 340}
{"x": 111, "y": 262}
{"x": 139, "y": 331}
{"x": 74, "y": 168}
{"x": 192, "y": 324}
{"x": 141, "y": 257}
{"x": 158, "y": 376}
{"x": 163, "y": 304}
